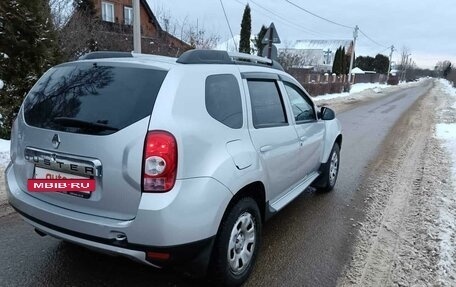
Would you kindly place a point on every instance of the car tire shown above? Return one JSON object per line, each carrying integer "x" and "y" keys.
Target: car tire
{"x": 329, "y": 171}
{"x": 237, "y": 244}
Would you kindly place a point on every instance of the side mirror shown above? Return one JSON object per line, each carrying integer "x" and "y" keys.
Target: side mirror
{"x": 327, "y": 114}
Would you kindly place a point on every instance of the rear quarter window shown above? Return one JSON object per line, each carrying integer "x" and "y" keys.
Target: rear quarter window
{"x": 92, "y": 98}
{"x": 223, "y": 100}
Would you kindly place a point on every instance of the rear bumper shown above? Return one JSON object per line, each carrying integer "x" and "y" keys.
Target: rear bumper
{"x": 183, "y": 223}
{"x": 194, "y": 255}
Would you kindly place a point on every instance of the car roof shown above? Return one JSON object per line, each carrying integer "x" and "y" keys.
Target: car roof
{"x": 191, "y": 57}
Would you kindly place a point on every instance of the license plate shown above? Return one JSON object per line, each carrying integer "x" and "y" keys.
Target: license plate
{"x": 42, "y": 173}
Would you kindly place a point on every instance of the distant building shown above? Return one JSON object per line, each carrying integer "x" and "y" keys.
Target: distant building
{"x": 318, "y": 53}
{"x": 117, "y": 17}
{"x": 232, "y": 44}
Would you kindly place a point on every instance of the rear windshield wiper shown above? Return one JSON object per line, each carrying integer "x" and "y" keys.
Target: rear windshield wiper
{"x": 72, "y": 122}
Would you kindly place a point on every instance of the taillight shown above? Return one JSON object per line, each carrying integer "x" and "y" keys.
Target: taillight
{"x": 159, "y": 162}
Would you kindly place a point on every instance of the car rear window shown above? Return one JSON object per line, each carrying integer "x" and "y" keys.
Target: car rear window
{"x": 92, "y": 98}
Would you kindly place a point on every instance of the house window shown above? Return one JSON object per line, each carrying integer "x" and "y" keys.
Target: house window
{"x": 128, "y": 15}
{"x": 107, "y": 11}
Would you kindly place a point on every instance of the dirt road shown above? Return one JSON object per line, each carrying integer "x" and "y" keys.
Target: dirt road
{"x": 408, "y": 234}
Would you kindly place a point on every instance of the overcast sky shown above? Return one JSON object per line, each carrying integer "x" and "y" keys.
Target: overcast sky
{"x": 427, "y": 28}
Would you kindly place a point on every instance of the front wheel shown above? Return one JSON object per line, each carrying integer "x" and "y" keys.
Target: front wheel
{"x": 329, "y": 171}
{"x": 237, "y": 244}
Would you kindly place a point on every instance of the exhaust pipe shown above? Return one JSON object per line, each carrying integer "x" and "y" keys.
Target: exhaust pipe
{"x": 40, "y": 233}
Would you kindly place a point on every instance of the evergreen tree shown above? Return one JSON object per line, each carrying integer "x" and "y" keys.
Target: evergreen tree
{"x": 257, "y": 42}
{"x": 28, "y": 48}
{"x": 365, "y": 63}
{"x": 447, "y": 70}
{"x": 380, "y": 64}
{"x": 336, "y": 62}
{"x": 343, "y": 62}
{"x": 246, "y": 27}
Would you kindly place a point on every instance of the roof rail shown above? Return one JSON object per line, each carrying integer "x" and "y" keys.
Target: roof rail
{"x": 251, "y": 58}
{"x": 105, "y": 54}
{"x": 224, "y": 57}
{"x": 205, "y": 57}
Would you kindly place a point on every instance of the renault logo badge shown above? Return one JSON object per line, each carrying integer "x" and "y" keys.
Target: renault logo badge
{"x": 56, "y": 141}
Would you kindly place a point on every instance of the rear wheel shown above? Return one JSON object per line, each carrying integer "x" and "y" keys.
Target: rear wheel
{"x": 329, "y": 171}
{"x": 237, "y": 244}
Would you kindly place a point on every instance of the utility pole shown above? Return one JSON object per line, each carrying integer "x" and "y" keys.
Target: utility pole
{"x": 136, "y": 27}
{"x": 355, "y": 35}
{"x": 389, "y": 64}
{"x": 327, "y": 56}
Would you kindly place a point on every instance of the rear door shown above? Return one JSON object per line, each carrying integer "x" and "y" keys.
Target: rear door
{"x": 272, "y": 135}
{"x": 89, "y": 119}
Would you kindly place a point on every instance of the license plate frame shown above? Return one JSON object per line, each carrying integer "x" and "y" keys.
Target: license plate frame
{"x": 44, "y": 173}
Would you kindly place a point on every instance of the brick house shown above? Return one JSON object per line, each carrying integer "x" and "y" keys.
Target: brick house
{"x": 117, "y": 19}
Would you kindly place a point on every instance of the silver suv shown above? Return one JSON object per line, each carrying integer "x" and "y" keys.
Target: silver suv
{"x": 190, "y": 156}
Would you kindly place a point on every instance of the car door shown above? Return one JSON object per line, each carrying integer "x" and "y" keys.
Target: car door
{"x": 273, "y": 136}
{"x": 309, "y": 128}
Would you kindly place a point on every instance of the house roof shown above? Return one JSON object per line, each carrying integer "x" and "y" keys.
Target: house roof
{"x": 332, "y": 45}
{"x": 156, "y": 23}
{"x": 231, "y": 44}
{"x": 151, "y": 15}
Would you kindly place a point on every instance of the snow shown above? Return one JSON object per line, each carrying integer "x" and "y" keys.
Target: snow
{"x": 446, "y": 132}
{"x": 356, "y": 88}
{"x": 4, "y": 153}
{"x": 357, "y": 71}
{"x": 2, "y": 84}
{"x": 447, "y": 87}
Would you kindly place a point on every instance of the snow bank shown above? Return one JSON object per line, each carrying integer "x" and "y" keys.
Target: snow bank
{"x": 356, "y": 88}
{"x": 4, "y": 153}
{"x": 446, "y": 132}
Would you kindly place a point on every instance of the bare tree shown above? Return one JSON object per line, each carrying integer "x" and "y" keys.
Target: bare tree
{"x": 194, "y": 34}
{"x": 199, "y": 38}
{"x": 295, "y": 58}
{"x": 405, "y": 62}
{"x": 443, "y": 68}
{"x": 61, "y": 11}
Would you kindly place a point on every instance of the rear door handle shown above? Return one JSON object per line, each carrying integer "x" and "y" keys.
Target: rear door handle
{"x": 302, "y": 138}
{"x": 266, "y": 148}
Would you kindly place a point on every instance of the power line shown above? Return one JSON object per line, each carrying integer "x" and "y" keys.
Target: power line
{"x": 387, "y": 48}
{"x": 318, "y": 16}
{"x": 228, "y": 22}
{"x": 284, "y": 20}
{"x": 372, "y": 40}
